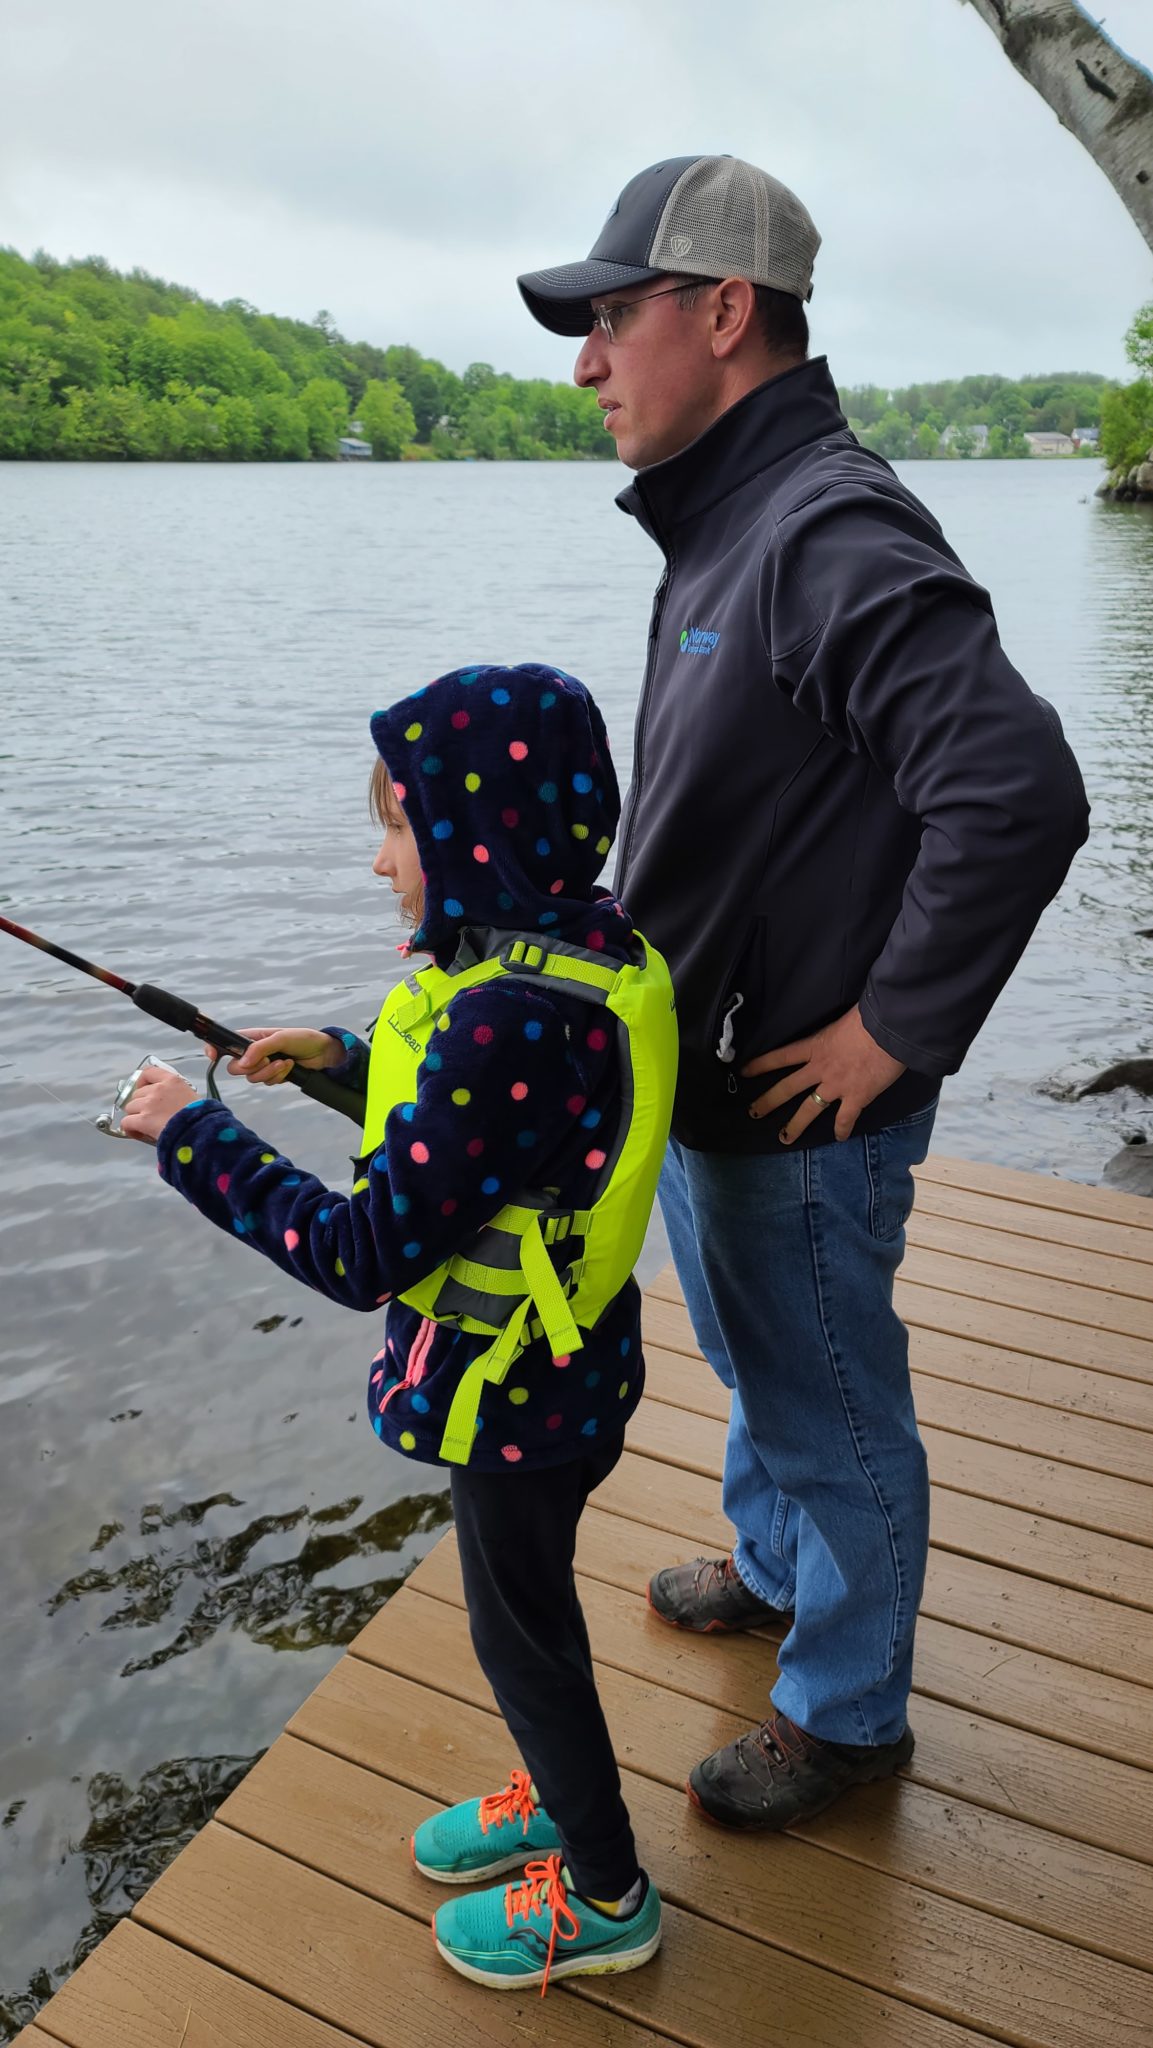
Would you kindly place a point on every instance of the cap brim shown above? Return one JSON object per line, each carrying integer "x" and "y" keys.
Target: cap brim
{"x": 561, "y": 299}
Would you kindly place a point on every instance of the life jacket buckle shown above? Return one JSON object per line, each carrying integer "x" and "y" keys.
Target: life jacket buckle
{"x": 522, "y": 957}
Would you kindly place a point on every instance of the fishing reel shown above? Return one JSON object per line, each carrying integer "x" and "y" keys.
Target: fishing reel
{"x": 110, "y": 1120}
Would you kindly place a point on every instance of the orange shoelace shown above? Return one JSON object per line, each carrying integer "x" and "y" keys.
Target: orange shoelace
{"x": 542, "y": 1885}
{"x": 514, "y": 1803}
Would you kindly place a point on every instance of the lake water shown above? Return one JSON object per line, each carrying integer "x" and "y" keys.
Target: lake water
{"x": 194, "y": 1516}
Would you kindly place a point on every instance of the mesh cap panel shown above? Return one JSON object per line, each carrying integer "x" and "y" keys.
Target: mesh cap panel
{"x": 726, "y": 218}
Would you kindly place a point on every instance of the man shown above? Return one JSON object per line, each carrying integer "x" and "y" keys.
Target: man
{"x": 848, "y": 811}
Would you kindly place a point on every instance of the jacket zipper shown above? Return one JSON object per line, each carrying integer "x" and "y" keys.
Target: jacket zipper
{"x": 642, "y": 713}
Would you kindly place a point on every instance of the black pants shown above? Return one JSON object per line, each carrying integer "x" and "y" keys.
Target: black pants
{"x": 517, "y": 1532}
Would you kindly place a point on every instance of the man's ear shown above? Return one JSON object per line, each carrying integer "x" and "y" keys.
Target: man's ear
{"x": 734, "y": 315}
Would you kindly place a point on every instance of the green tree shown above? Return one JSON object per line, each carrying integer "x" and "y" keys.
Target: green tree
{"x": 1139, "y": 341}
{"x": 105, "y": 426}
{"x": 1003, "y": 444}
{"x": 1127, "y": 413}
{"x": 892, "y": 436}
{"x": 283, "y": 427}
{"x": 325, "y": 406}
{"x": 386, "y": 419}
{"x": 1127, "y": 425}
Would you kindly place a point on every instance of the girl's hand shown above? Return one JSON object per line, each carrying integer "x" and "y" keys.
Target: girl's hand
{"x": 275, "y": 1053}
{"x": 156, "y": 1097}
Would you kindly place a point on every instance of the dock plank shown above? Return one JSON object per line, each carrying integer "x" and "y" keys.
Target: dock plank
{"x": 1009, "y": 1423}
{"x": 978, "y": 1359}
{"x": 1001, "y": 1889}
{"x": 427, "y": 1757}
{"x": 1083, "y": 1325}
{"x": 139, "y": 1991}
{"x": 1063, "y": 1552}
{"x": 1037, "y": 1190}
{"x": 1011, "y": 1770}
{"x": 1019, "y": 1252}
{"x": 899, "y": 1939}
{"x": 989, "y": 1320}
{"x": 1006, "y": 1286}
{"x": 1093, "y": 1898}
{"x": 984, "y": 1635}
{"x": 344, "y": 1957}
{"x": 1128, "y": 1240}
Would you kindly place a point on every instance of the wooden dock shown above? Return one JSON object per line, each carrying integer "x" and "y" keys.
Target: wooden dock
{"x": 1001, "y": 1890}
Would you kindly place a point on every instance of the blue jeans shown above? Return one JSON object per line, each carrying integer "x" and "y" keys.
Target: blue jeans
{"x": 787, "y": 1262}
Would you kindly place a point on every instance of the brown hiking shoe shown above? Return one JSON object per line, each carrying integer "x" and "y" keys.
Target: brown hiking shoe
{"x": 706, "y": 1595}
{"x": 778, "y": 1774}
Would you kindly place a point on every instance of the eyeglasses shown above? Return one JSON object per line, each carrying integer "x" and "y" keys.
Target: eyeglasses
{"x": 608, "y": 318}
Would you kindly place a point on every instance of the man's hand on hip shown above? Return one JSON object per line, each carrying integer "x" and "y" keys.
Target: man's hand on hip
{"x": 840, "y": 1065}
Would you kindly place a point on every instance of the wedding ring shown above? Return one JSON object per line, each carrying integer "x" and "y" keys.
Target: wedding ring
{"x": 814, "y": 1097}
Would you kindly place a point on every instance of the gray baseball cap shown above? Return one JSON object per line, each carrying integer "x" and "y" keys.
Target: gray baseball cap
{"x": 691, "y": 216}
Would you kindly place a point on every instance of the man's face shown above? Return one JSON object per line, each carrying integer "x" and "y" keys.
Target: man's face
{"x": 657, "y": 381}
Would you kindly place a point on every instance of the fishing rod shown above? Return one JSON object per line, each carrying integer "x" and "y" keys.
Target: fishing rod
{"x": 184, "y": 1016}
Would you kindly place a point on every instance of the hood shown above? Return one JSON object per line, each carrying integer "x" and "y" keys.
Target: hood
{"x": 506, "y": 780}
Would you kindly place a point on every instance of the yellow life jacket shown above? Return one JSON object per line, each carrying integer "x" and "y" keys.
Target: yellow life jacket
{"x": 539, "y": 1268}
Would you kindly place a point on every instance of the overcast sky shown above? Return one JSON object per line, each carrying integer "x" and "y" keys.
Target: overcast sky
{"x": 399, "y": 165}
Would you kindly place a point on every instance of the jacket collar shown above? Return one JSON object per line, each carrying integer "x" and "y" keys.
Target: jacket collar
{"x": 773, "y": 421}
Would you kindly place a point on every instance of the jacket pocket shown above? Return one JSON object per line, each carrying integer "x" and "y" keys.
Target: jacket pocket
{"x": 732, "y": 999}
{"x": 740, "y": 1005}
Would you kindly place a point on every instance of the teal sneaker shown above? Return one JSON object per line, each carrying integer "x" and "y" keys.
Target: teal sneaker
{"x": 516, "y": 1935}
{"x": 468, "y": 1841}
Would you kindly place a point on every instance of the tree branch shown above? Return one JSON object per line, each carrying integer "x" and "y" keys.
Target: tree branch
{"x": 1102, "y": 96}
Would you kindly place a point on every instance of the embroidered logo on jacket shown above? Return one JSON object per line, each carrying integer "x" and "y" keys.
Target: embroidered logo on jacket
{"x": 698, "y": 640}
{"x": 414, "y": 1044}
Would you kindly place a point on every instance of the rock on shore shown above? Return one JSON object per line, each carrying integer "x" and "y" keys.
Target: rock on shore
{"x": 1126, "y": 485}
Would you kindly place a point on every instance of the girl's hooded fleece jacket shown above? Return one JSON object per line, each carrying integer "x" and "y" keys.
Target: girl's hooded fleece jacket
{"x": 506, "y": 779}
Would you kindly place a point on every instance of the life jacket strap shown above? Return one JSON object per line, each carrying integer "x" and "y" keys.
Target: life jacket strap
{"x": 546, "y": 1296}
{"x": 523, "y": 958}
{"x": 492, "y": 1365}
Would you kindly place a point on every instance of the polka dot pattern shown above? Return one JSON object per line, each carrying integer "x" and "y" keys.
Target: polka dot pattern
{"x": 505, "y": 775}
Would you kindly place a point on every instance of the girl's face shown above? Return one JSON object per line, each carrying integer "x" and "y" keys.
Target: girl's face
{"x": 398, "y": 862}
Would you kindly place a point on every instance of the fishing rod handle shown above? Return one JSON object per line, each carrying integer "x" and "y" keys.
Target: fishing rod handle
{"x": 184, "y": 1016}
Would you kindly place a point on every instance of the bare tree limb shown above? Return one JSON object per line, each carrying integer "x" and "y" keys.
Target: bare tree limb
{"x": 1102, "y": 96}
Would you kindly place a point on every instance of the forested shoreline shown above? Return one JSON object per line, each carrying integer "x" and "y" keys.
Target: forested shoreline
{"x": 100, "y": 365}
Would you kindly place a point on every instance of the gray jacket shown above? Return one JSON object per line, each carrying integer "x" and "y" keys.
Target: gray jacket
{"x": 843, "y": 791}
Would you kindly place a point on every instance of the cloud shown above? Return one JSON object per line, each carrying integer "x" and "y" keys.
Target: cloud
{"x": 399, "y": 166}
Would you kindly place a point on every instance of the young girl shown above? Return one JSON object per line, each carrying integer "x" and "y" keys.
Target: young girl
{"x": 518, "y": 1094}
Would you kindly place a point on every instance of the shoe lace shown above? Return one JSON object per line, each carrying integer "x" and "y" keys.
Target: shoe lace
{"x": 722, "y": 1569}
{"x": 781, "y": 1742}
{"x": 514, "y": 1803}
{"x": 543, "y": 1884}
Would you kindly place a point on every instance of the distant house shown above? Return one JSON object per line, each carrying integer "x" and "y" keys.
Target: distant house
{"x": 1051, "y": 444}
{"x": 974, "y": 438}
{"x": 353, "y": 450}
{"x": 1086, "y": 437}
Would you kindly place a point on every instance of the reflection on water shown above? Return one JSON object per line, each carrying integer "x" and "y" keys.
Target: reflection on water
{"x": 278, "y": 1605}
{"x": 195, "y": 653}
{"x": 131, "y": 1837}
{"x": 197, "y": 1565}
